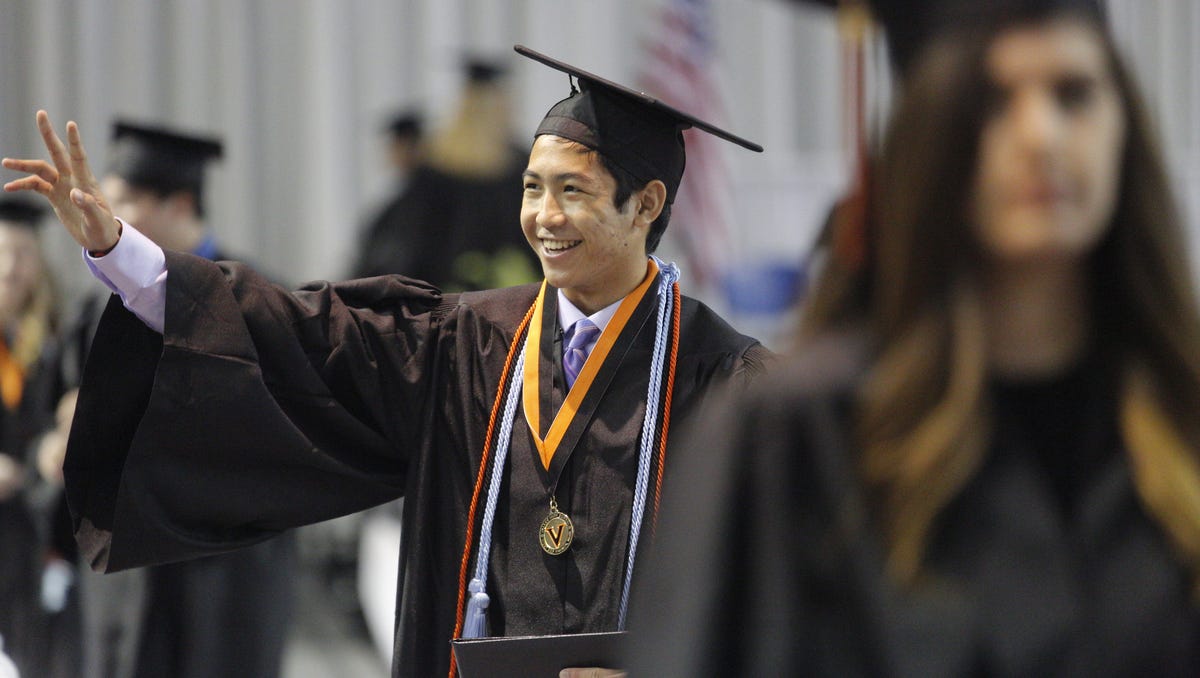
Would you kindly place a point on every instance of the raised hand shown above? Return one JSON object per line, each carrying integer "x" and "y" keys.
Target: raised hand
{"x": 67, "y": 182}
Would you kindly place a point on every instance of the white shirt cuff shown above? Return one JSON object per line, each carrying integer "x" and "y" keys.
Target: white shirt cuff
{"x": 135, "y": 269}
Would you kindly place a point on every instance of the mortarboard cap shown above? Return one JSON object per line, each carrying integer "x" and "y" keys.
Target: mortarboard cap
{"x": 482, "y": 70}
{"x": 637, "y": 132}
{"x": 21, "y": 212}
{"x": 405, "y": 124}
{"x": 911, "y": 25}
{"x": 160, "y": 159}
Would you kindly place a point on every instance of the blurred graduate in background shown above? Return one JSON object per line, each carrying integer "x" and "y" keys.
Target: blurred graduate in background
{"x": 28, "y": 322}
{"x": 984, "y": 459}
{"x": 454, "y": 221}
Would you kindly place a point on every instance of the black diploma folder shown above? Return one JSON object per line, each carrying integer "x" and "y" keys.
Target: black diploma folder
{"x": 536, "y": 656}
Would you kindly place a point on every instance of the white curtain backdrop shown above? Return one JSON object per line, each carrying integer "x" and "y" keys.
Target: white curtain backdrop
{"x": 299, "y": 90}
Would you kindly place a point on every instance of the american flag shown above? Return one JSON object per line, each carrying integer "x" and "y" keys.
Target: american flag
{"x": 677, "y": 69}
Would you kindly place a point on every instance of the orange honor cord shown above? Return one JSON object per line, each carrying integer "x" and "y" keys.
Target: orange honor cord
{"x": 530, "y": 396}
{"x": 12, "y": 378}
{"x": 481, "y": 476}
{"x": 531, "y": 328}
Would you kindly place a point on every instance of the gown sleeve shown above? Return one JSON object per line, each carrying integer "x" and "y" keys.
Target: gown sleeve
{"x": 257, "y": 410}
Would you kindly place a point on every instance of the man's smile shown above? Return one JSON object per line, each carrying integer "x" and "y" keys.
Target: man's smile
{"x": 559, "y": 245}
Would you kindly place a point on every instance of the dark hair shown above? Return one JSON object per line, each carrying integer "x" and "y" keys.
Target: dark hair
{"x": 162, "y": 192}
{"x": 406, "y": 125}
{"x": 626, "y": 185}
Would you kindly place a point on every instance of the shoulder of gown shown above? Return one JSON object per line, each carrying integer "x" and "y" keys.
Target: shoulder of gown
{"x": 760, "y": 517}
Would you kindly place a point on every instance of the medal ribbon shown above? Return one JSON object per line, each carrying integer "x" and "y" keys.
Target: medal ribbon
{"x": 472, "y": 624}
{"x": 562, "y": 420}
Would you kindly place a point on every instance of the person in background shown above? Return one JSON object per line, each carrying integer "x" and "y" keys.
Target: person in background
{"x": 451, "y": 224}
{"x": 225, "y": 409}
{"x": 223, "y": 615}
{"x": 28, "y": 324}
{"x": 378, "y": 532}
{"x": 406, "y": 137}
{"x": 984, "y": 459}
{"x": 404, "y": 152}
{"x": 8, "y": 669}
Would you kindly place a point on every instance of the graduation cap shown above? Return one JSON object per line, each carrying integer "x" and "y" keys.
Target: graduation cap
{"x": 20, "y": 212}
{"x": 406, "y": 124}
{"x": 910, "y": 25}
{"x": 160, "y": 159}
{"x": 637, "y": 132}
{"x": 482, "y": 70}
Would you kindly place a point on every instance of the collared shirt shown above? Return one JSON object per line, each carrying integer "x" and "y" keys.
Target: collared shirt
{"x": 569, "y": 314}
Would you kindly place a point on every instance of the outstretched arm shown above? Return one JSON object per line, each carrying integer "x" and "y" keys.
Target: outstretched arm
{"x": 68, "y": 184}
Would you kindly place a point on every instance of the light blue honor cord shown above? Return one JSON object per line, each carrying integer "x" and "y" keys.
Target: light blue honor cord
{"x": 670, "y": 273}
{"x": 475, "y": 623}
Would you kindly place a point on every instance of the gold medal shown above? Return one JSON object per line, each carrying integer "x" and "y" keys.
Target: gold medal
{"x": 556, "y": 532}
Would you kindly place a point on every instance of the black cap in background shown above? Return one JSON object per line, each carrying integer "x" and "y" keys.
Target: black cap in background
{"x": 911, "y": 25}
{"x": 21, "y": 212}
{"x": 406, "y": 124}
{"x": 482, "y": 70}
{"x": 637, "y": 132}
{"x": 160, "y": 159}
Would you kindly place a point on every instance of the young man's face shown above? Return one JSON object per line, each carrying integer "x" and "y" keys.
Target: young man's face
{"x": 20, "y": 267}
{"x": 592, "y": 250}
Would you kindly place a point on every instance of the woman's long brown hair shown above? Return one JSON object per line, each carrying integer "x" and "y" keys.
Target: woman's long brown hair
{"x": 922, "y": 420}
{"x": 32, "y": 325}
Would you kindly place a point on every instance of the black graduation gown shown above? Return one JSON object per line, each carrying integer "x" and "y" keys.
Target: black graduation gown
{"x": 260, "y": 410}
{"x": 222, "y": 615}
{"x": 778, "y": 571}
{"x": 24, "y": 624}
{"x": 460, "y": 233}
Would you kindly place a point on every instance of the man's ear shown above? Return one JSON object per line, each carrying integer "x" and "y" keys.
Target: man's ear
{"x": 650, "y": 202}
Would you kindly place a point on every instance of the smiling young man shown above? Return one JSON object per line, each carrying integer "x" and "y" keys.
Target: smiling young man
{"x": 526, "y": 428}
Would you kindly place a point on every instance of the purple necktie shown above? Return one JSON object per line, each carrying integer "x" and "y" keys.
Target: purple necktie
{"x": 576, "y": 352}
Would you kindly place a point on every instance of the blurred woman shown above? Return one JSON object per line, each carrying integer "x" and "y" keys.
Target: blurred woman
{"x": 27, "y": 325}
{"x": 984, "y": 461}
